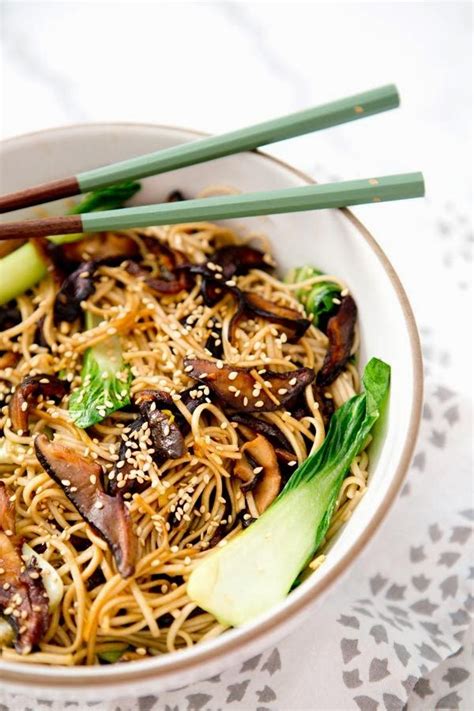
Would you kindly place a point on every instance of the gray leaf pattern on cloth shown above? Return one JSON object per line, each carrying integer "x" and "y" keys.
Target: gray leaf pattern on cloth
{"x": 450, "y": 701}
{"x": 251, "y": 664}
{"x": 402, "y": 653}
{"x": 377, "y": 583}
{"x": 379, "y": 633}
{"x": 146, "y": 703}
{"x": 455, "y": 676}
{"x": 420, "y": 582}
{"x": 365, "y": 703}
{"x": 352, "y": 678}
{"x": 349, "y": 649}
{"x": 237, "y": 691}
{"x": 396, "y": 592}
{"x": 197, "y": 701}
{"x": 435, "y": 532}
{"x": 448, "y": 558}
{"x": 417, "y": 554}
{"x": 392, "y": 702}
{"x": 266, "y": 695}
{"x": 424, "y": 606}
{"x": 273, "y": 663}
{"x": 349, "y": 621}
{"x": 460, "y": 534}
{"x": 378, "y": 669}
{"x": 449, "y": 587}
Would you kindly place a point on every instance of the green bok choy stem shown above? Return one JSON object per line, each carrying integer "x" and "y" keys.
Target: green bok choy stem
{"x": 258, "y": 567}
{"x": 24, "y": 267}
{"x": 106, "y": 381}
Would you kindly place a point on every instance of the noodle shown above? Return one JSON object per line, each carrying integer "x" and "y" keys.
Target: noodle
{"x": 150, "y": 613}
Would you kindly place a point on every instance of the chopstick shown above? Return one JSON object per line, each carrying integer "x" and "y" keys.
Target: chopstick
{"x": 297, "y": 124}
{"x": 310, "y": 197}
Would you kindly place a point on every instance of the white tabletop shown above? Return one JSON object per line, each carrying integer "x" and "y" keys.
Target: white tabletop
{"x": 218, "y": 66}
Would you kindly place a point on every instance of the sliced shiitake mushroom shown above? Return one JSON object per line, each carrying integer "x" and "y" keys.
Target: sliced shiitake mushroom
{"x": 251, "y": 303}
{"x": 326, "y": 404}
{"x": 168, "y": 442}
{"x": 265, "y": 428}
{"x": 266, "y": 473}
{"x": 99, "y": 247}
{"x": 39, "y": 337}
{"x": 222, "y": 266}
{"x": 77, "y": 287}
{"x": 23, "y": 598}
{"x": 340, "y": 332}
{"x": 28, "y": 391}
{"x": 214, "y": 345}
{"x": 240, "y": 391}
{"x": 162, "y": 425}
{"x": 9, "y": 316}
{"x": 81, "y": 480}
{"x": 239, "y": 259}
{"x": 171, "y": 279}
{"x": 122, "y": 479}
{"x": 191, "y": 398}
{"x": 175, "y": 196}
{"x": 299, "y": 407}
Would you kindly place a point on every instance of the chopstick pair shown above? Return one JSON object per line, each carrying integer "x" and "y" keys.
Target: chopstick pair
{"x": 305, "y": 198}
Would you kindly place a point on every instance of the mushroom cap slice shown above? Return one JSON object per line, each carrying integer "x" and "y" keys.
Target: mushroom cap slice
{"x": 23, "y": 598}
{"x": 340, "y": 332}
{"x": 80, "y": 479}
{"x": 28, "y": 391}
{"x": 239, "y": 390}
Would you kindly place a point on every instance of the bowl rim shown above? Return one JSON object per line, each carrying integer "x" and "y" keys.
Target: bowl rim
{"x": 43, "y": 676}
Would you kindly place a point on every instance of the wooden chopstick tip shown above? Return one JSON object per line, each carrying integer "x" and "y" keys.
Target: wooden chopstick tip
{"x": 46, "y": 192}
{"x": 28, "y": 229}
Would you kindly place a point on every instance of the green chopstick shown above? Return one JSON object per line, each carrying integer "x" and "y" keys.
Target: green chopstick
{"x": 191, "y": 153}
{"x": 310, "y": 197}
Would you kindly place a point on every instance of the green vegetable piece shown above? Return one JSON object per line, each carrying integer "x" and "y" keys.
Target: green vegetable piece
{"x": 112, "y": 655}
{"x": 257, "y": 568}
{"x": 106, "y": 381}
{"x": 317, "y": 299}
{"x": 24, "y": 267}
{"x": 110, "y": 198}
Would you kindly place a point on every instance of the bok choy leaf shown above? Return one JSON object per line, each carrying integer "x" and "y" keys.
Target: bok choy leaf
{"x": 258, "y": 567}
{"x": 318, "y": 298}
{"x": 106, "y": 381}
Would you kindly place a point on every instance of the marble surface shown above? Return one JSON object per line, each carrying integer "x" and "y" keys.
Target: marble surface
{"x": 217, "y": 66}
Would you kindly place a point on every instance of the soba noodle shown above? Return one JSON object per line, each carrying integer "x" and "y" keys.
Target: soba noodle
{"x": 150, "y": 613}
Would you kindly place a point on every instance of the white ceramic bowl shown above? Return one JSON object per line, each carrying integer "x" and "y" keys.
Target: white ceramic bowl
{"x": 333, "y": 240}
